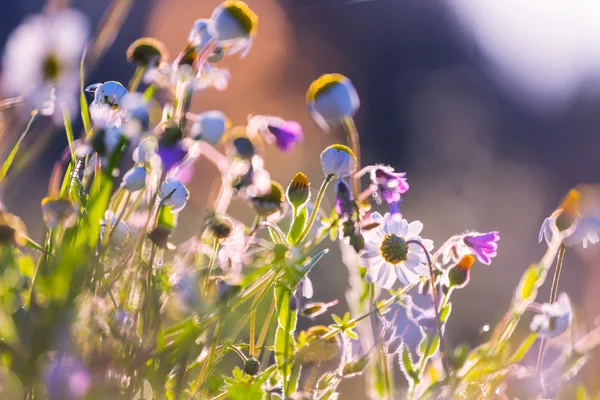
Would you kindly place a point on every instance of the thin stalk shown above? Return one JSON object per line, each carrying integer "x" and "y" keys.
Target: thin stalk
{"x": 315, "y": 210}
{"x": 267, "y": 324}
{"x": 252, "y": 329}
{"x": 211, "y": 264}
{"x": 239, "y": 353}
{"x": 553, "y": 294}
{"x": 434, "y": 294}
{"x": 354, "y": 143}
{"x": 288, "y": 325}
{"x": 413, "y": 389}
{"x": 136, "y": 79}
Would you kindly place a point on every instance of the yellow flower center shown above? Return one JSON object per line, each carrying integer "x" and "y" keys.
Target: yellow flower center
{"x": 394, "y": 249}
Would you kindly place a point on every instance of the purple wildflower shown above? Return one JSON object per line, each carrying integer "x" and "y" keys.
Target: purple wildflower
{"x": 388, "y": 185}
{"x": 483, "y": 246}
{"x": 281, "y": 133}
{"x": 287, "y": 135}
{"x": 171, "y": 156}
{"x": 344, "y": 201}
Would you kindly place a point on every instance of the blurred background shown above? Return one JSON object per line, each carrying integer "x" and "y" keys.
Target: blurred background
{"x": 492, "y": 108}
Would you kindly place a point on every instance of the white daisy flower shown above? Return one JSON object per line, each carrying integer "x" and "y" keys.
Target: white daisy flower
{"x": 174, "y": 194}
{"x": 387, "y": 257}
{"x": 554, "y": 318}
{"x": 41, "y": 60}
{"x": 338, "y": 160}
{"x": 585, "y": 231}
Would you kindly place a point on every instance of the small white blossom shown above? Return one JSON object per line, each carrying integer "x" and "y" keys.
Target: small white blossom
{"x": 174, "y": 194}
{"x": 134, "y": 179}
{"x": 554, "y": 318}
{"x": 338, "y": 160}
{"x": 108, "y": 93}
{"x": 118, "y": 230}
{"x": 41, "y": 60}
{"x": 146, "y": 150}
{"x": 170, "y": 75}
{"x": 584, "y": 231}
{"x": 210, "y": 126}
{"x": 388, "y": 257}
{"x": 201, "y": 33}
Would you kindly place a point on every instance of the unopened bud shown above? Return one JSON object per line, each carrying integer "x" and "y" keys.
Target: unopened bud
{"x": 298, "y": 191}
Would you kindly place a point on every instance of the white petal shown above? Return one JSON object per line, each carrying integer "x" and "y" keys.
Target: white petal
{"x": 414, "y": 229}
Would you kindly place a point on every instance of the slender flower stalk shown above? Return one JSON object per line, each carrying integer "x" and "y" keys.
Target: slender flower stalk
{"x": 354, "y": 143}
{"x": 315, "y": 211}
{"x": 434, "y": 295}
{"x": 553, "y": 295}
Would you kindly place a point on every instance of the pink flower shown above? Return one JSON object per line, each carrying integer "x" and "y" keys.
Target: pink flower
{"x": 483, "y": 246}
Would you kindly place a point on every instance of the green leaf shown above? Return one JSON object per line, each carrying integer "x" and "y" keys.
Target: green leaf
{"x": 523, "y": 348}
{"x": 295, "y": 274}
{"x": 297, "y": 226}
{"x": 285, "y": 316}
{"x": 85, "y": 112}
{"x": 149, "y": 93}
{"x": 281, "y": 355}
{"x": 15, "y": 149}
{"x": 528, "y": 284}
{"x": 406, "y": 365}
{"x": 429, "y": 345}
{"x": 68, "y": 130}
{"x": 166, "y": 217}
{"x": 445, "y": 313}
{"x": 581, "y": 393}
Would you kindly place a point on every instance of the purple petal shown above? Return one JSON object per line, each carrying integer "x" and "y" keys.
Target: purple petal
{"x": 171, "y": 156}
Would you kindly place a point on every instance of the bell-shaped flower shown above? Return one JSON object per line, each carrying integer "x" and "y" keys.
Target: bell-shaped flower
{"x": 338, "y": 160}
{"x": 234, "y": 26}
{"x": 174, "y": 194}
{"x": 209, "y": 126}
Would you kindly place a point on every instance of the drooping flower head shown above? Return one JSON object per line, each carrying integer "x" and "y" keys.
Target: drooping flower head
{"x": 567, "y": 219}
{"x": 12, "y": 229}
{"x": 134, "y": 179}
{"x": 41, "y": 60}
{"x": 174, "y": 194}
{"x": 147, "y": 52}
{"x": 59, "y": 211}
{"x": 234, "y": 26}
{"x": 269, "y": 203}
{"x": 387, "y": 185}
{"x": 107, "y": 94}
{"x": 279, "y": 132}
{"x": 344, "y": 200}
{"x": 554, "y": 318}
{"x": 210, "y": 126}
{"x": 388, "y": 257}
{"x": 331, "y": 98}
{"x": 117, "y": 229}
{"x": 483, "y": 246}
{"x": 338, "y": 160}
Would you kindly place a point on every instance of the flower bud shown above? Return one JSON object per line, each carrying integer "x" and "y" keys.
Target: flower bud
{"x": 317, "y": 350}
{"x": 298, "y": 191}
{"x": 59, "y": 211}
{"x": 161, "y": 237}
{"x": 12, "y": 229}
{"x": 458, "y": 275}
{"x": 570, "y": 210}
{"x": 174, "y": 194}
{"x": 313, "y": 310}
{"x": 108, "y": 93}
{"x": 344, "y": 201}
{"x": 147, "y": 51}
{"x": 210, "y": 127}
{"x": 220, "y": 227}
{"x": 134, "y": 179}
{"x": 234, "y": 25}
{"x": 252, "y": 366}
{"x": 338, "y": 160}
{"x": 331, "y": 98}
{"x": 270, "y": 203}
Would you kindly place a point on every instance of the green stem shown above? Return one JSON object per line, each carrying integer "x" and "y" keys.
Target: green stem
{"x": 354, "y": 143}
{"x": 136, "y": 79}
{"x": 434, "y": 294}
{"x": 288, "y": 327}
{"x": 553, "y": 294}
{"x": 421, "y": 367}
{"x": 211, "y": 264}
{"x": 315, "y": 210}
